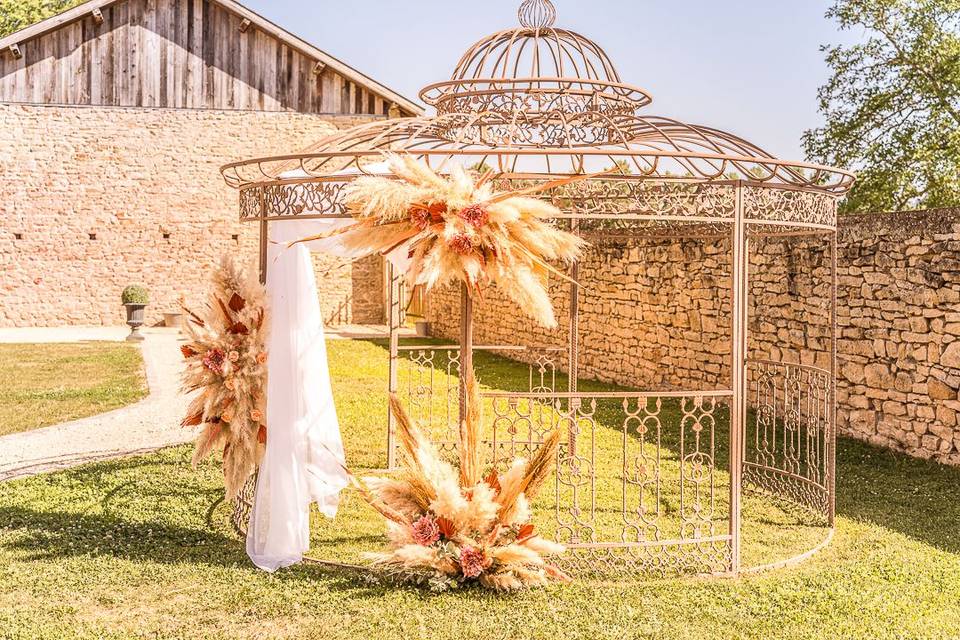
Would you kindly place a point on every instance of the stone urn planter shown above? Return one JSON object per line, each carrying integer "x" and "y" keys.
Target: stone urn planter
{"x": 135, "y": 300}
{"x": 422, "y": 328}
{"x": 173, "y": 320}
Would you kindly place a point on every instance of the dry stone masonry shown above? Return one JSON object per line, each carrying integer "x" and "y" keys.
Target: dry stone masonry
{"x": 656, "y": 315}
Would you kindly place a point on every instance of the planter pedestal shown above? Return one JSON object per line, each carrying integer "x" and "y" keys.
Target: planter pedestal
{"x": 135, "y": 321}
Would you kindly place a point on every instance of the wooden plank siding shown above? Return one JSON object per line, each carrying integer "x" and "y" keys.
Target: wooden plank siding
{"x": 177, "y": 54}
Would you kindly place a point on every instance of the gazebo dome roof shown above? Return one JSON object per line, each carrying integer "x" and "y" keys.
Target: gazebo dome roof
{"x": 536, "y": 102}
{"x": 535, "y": 69}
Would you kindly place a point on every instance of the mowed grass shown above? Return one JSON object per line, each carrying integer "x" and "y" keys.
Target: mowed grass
{"x": 45, "y": 384}
{"x": 139, "y": 548}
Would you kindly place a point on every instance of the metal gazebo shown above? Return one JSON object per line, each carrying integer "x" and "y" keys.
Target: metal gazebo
{"x": 649, "y": 482}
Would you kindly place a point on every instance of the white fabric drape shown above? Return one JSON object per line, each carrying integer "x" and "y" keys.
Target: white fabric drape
{"x": 304, "y": 451}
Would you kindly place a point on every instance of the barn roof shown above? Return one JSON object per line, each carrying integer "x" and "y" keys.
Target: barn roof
{"x": 85, "y": 9}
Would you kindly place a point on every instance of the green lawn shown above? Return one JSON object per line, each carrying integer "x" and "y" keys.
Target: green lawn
{"x": 45, "y": 384}
{"x": 139, "y": 548}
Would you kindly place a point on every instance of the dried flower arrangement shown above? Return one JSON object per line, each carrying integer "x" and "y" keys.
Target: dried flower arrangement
{"x": 227, "y": 367}
{"x": 449, "y": 527}
{"x": 457, "y": 227}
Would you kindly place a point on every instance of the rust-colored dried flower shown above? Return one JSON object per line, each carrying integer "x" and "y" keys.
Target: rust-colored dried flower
{"x": 473, "y": 562}
{"x": 230, "y": 384}
{"x": 423, "y": 216}
{"x": 420, "y": 218}
{"x": 213, "y": 360}
{"x": 256, "y": 415}
{"x": 261, "y": 357}
{"x": 447, "y": 528}
{"x": 461, "y": 244}
{"x": 426, "y": 531}
{"x": 475, "y": 215}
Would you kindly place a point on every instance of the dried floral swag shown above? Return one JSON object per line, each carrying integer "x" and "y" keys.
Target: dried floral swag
{"x": 457, "y": 228}
{"x": 449, "y": 527}
{"x": 227, "y": 368}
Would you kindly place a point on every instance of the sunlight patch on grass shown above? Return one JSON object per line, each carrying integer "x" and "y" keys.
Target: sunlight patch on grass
{"x": 46, "y": 384}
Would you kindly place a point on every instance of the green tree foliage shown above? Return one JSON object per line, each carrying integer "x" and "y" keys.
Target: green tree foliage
{"x": 892, "y": 106}
{"x": 17, "y": 14}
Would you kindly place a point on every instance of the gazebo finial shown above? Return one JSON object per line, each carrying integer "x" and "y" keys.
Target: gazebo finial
{"x": 537, "y": 14}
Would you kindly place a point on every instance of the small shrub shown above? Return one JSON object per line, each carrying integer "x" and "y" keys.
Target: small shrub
{"x": 135, "y": 294}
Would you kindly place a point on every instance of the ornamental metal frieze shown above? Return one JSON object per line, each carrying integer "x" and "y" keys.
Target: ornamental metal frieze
{"x": 789, "y": 206}
{"x": 250, "y": 203}
{"x": 504, "y": 99}
{"x": 294, "y": 199}
{"x": 606, "y": 198}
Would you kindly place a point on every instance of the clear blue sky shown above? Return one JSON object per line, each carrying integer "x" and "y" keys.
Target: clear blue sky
{"x": 751, "y": 67}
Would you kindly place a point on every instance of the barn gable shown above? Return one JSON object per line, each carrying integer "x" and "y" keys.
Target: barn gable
{"x": 194, "y": 54}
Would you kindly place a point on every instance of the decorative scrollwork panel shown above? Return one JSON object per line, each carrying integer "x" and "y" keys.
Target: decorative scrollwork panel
{"x": 641, "y": 484}
{"x": 429, "y": 383}
{"x": 789, "y": 205}
{"x": 789, "y": 432}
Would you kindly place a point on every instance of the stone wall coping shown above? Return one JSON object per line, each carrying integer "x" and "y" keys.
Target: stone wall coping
{"x": 914, "y": 220}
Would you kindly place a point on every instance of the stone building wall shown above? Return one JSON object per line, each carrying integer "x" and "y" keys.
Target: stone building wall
{"x": 657, "y": 315}
{"x": 96, "y": 198}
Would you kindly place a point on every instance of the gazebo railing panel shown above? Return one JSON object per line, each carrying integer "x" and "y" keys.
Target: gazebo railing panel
{"x": 429, "y": 384}
{"x": 789, "y": 433}
{"x": 642, "y": 479}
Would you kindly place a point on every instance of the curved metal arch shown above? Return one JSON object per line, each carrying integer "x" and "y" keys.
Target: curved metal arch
{"x": 655, "y": 147}
{"x": 533, "y": 62}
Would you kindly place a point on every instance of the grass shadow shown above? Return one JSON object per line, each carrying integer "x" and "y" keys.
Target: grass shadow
{"x": 914, "y": 497}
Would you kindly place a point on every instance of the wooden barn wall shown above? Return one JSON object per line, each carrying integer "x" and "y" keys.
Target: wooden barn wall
{"x": 177, "y": 54}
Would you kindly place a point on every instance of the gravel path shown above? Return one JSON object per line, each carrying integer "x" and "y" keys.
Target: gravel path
{"x": 152, "y": 423}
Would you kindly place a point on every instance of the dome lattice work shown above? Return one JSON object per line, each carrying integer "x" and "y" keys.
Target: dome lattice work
{"x": 537, "y": 69}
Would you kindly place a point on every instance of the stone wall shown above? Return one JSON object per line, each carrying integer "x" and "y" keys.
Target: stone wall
{"x": 656, "y": 315}
{"x": 900, "y": 325}
{"x": 94, "y": 199}
{"x": 651, "y": 315}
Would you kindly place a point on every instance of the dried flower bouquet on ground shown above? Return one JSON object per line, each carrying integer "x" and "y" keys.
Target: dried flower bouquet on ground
{"x": 450, "y": 526}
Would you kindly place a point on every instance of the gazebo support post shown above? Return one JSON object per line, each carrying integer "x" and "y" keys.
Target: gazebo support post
{"x": 264, "y": 239}
{"x": 466, "y": 345}
{"x": 738, "y": 409}
{"x": 831, "y": 434}
{"x": 574, "y": 344}
{"x": 394, "y": 301}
